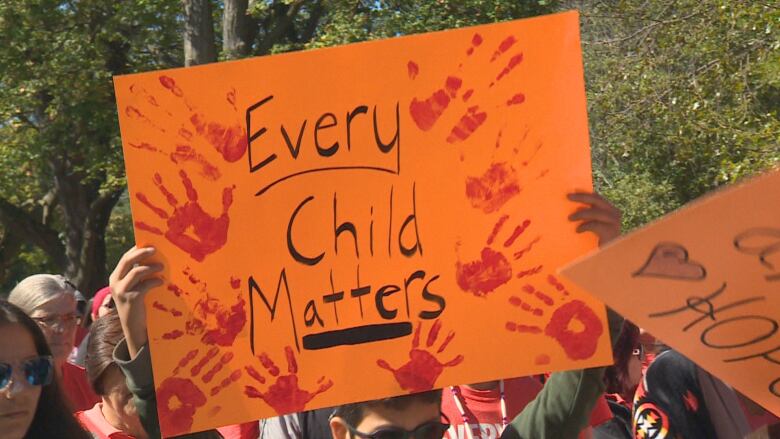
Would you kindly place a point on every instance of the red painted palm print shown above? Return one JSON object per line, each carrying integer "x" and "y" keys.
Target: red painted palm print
{"x": 571, "y": 323}
{"x": 189, "y": 227}
{"x": 188, "y": 143}
{"x": 213, "y": 322}
{"x": 217, "y": 327}
{"x": 493, "y": 267}
{"x": 179, "y": 398}
{"x": 490, "y": 192}
{"x": 462, "y": 96}
{"x": 283, "y": 395}
{"x": 423, "y": 368}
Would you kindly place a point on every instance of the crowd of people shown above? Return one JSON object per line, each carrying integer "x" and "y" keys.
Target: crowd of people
{"x": 70, "y": 369}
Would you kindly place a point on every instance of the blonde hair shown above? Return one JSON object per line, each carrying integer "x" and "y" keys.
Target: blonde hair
{"x": 38, "y": 289}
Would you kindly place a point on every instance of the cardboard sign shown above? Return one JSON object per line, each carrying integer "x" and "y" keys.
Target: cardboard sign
{"x": 364, "y": 221}
{"x": 706, "y": 281}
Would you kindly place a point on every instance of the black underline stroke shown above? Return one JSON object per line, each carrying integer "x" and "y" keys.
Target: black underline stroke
{"x": 335, "y": 168}
{"x": 356, "y": 335}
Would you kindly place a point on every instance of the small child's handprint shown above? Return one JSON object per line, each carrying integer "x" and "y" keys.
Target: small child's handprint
{"x": 190, "y": 227}
{"x": 493, "y": 269}
{"x": 215, "y": 323}
{"x": 423, "y": 368}
{"x": 180, "y": 398}
{"x": 284, "y": 395}
{"x": 573, "y": 324}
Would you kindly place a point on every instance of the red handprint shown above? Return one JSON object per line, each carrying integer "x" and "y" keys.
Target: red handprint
{"x": 423, "y": 368}
{"x": 574, "y": 325}
{"x": 190, "y": 227}
{"x": 179, "y": 399}
{"x": 229, "y": 140}
{"x": 284, "y": 395}
{"x": 214, "y": 322}
{"x": 492, "y": 270}
{"x": 427, "y": 112}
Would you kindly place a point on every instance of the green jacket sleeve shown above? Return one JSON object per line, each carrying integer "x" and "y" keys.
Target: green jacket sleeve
{"x": 563, "y": 407}
{"x": 140, "y": 382}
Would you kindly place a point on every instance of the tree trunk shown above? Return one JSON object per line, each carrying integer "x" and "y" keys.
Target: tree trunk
{"x": 85, "y": 213}
{"x": 238, "y": 29}
{"x": 199, "y": 45}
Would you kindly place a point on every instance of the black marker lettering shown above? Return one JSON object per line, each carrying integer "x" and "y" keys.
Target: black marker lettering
{"x": 387, "y": 290}
{"x": 435, "y": 298}
{"x": 329, "y": 151}
{"x": 310, "y": 315}
{"x": 410, "y": 251}
{"x": 341, "y": 228}
{"x": 251, "y": 137}
{"x": 294, "y": 150}
{"x": 710, "y": 344}
{"x": 360, "y": 109}
{"x": 298, "y": 256}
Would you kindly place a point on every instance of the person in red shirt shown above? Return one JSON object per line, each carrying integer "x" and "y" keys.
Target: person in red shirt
{"x": 115, "y": 416}
{"x": 50, "y": 300}
{"x": 483, "y": 410}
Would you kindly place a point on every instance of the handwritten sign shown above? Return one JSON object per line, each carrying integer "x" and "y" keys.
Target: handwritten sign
{"x": 358, "y": 222}
{"x": 705, "y": 280}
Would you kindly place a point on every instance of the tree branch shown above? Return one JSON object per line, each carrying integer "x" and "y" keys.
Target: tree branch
{"x": 19, "y": 222}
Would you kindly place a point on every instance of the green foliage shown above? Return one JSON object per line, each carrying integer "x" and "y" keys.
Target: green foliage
{"x": 684, "y": 97}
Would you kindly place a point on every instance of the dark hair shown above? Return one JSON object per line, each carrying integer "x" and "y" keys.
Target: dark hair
{"x": 53, "y": 417}
{"x": 628, "y": 340}
{"x": 104, "y": 335}
{"x": 353, "y": 413}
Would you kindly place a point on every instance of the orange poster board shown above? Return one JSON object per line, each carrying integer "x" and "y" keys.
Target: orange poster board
{"x": 353, "y": 223}
{"x": 706, "y": 281}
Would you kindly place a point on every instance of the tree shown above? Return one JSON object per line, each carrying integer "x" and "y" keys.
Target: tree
{"x": 684, "y": 96}
{"x": 62, "y": 171}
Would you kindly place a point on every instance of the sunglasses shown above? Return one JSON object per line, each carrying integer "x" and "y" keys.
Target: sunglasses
{"x": 428, "y": 430}
{"x": 37, "y": 371}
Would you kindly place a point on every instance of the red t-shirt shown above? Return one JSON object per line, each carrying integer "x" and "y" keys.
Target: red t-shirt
{"x": 483, "y": 407}
{"x": 247, "y": 430}
{"x": 76, "y": 388}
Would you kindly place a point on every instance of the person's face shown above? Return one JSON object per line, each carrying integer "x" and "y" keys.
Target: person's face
{"x": 118, "y": 407}
{"x": 19, "y": 400}
{"x": 408, "y": 418}
{"x": 58, "y": 320}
